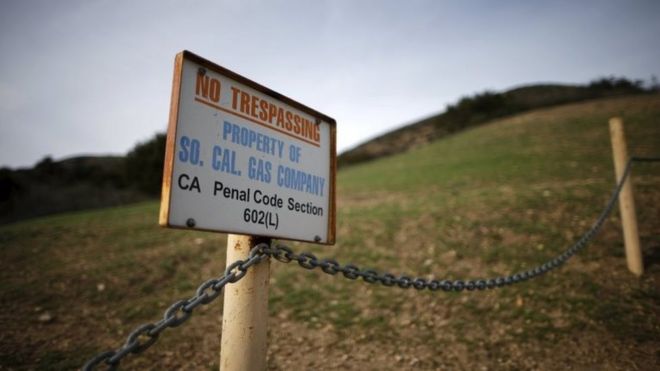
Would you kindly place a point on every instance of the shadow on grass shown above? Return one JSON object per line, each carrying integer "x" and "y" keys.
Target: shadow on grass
{"x": 651, "y": 256}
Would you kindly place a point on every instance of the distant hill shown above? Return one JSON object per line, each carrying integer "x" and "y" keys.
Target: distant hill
{"x": 75, "y": 183}
{"x": 478, "y": 109}
{"x": 82, "y": 182}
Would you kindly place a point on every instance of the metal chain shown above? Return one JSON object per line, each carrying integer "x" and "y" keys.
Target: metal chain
{"x": 146, "y": 335}
{"x": 644, "y": 159}
{"x": 330, "y": 266}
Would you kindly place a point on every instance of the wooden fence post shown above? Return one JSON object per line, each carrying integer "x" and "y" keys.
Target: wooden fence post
{"x": 245, "y": 311}
{"x": 626, "y": 200}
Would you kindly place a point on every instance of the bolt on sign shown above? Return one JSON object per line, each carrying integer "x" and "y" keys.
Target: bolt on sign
{"x": 244, "y": 159}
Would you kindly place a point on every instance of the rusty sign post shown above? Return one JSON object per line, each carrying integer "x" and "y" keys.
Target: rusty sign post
{"x": 243, "y": 159}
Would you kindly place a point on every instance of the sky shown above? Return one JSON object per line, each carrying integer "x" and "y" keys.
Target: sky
{"x": 95, "y": 77}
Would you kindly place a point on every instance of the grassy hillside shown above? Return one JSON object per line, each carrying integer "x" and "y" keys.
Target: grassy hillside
{"x": 481, "y": 108}
{"x": 487, "y": 201}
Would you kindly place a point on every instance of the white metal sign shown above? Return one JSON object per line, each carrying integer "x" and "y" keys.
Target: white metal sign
{"x": 244, "y": 159}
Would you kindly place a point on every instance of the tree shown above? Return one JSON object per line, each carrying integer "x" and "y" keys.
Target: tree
{"x": 144, "y": 165}
{"x": 8, "y": 186}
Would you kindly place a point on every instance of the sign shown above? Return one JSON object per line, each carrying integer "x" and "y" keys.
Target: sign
{"x": 244, "y": 159}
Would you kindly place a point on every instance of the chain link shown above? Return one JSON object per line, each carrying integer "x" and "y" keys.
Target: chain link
{"x": 144, "y": 336}
{"x": 644, "y": 159}
{"x": 352, "y": 272}
{"x": 147, "y": 334}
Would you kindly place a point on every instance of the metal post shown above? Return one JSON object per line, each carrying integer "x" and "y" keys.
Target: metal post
{"x": 245, "y": 312}
{"x": 626, "y": 200}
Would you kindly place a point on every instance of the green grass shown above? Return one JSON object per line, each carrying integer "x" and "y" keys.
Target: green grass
{"x": 489, "y": 201}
